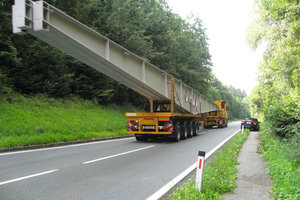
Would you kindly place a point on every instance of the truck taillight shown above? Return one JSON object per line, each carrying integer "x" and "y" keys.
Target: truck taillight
{"x": 133, "y": 123}
{"x": 135, "y": 119}
{"x": 243, "y": 122}
{"x": 254, "y": 123}
{"x": 165, "y": 119}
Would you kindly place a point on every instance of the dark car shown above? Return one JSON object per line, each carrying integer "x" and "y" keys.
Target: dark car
{"x": 250, "y": 123}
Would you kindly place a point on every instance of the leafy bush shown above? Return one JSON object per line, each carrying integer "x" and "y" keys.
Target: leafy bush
{"x": 281, "y": 120}
{"x": 283, "y": 166}
{"x": 294, "y": 143}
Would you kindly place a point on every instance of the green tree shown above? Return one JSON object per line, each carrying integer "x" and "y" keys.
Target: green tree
{"x": 148, "y": 28}
{"x": 277, "y": 23}
{"x": 235, "y": 99}
{"x": 256, "y": 102}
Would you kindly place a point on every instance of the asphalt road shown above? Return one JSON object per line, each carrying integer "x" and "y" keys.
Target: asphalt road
{"x": 115, "y": 169}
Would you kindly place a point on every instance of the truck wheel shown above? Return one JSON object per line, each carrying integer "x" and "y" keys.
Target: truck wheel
{"x": 195, "y": 128}
{"x": 141, "y": 137}
{"x": 176, "y": 132}
{"x": 208, "y": 126}
{"x": 190, "y": 129}
{"x": 183, "y": 131}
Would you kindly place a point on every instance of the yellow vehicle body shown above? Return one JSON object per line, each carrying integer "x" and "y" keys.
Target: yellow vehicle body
{"x": 147, "y": 123}
{"x": 218, "y": 117}
{"x": 156, "y": 123}
{"x": 163, "y": 120}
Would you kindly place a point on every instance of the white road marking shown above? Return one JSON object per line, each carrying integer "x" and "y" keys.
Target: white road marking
{"x": 63, "y": 147}
{"x": 172, "y": 183}
{"x": 120, "y": 154}
{"x": 26, "y": 177}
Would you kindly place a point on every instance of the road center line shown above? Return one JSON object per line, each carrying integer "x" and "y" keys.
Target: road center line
{"x": 26, "y": 177}
{"x": 120, "y": 154}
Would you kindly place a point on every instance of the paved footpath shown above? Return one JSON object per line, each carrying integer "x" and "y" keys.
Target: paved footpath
{"x": 252, "y": 182}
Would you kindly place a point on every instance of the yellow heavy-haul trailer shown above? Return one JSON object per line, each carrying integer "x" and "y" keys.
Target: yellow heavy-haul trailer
{"x": 164, "y": 120}
{"x": 177, "y": 110}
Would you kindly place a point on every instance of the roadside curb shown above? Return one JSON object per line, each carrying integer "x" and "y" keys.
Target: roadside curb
{"x": 39, "y": 146}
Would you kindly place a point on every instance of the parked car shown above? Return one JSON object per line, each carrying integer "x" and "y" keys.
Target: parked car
{"x": 250, "y": 123}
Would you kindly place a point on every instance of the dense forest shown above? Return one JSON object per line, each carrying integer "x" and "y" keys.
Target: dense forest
{"x": 148, "y": 28}
{"x": 276, "y": 25}
{"x": 278, "y": 96}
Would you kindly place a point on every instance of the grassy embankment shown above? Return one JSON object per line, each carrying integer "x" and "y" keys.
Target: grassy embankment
{"x": 219, "y": 177}
{"x": 283, "y": 160}
{"x": 40, "y": 120}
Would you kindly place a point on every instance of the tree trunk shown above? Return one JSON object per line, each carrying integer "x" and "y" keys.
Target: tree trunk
{"x": 117, "y": 92}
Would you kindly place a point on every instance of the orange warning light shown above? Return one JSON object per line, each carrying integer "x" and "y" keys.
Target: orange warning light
{"x": 164, "y": 119}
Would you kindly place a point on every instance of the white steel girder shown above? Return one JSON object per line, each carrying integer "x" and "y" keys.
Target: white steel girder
{"x": 56, "y": 28}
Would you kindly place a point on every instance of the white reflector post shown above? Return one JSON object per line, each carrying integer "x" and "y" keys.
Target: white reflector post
{"x": 243, "y": 128}
{"x": 200, "y": 166}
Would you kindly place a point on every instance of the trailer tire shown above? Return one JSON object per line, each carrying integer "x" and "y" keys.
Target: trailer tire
{"x": 183, "y": 131}
{"x": 176, "y": 132}
{"x": 141, "y": 137}
{"x": 190, "y": 129}
{"x": 195, "y": 128}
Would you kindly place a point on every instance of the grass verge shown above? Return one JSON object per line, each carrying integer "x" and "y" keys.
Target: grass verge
{"x": 39, "y": 120}
{"x": 219, "y": 177}
{"x": 283, "y": 168}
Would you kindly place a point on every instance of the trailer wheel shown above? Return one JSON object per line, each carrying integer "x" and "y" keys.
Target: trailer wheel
{"x": 190, "y": 129}
{"x": 183, "y": 131}
{"x": 141, "y": 137}
{"x": 195, "y": 129}
{"x": 176, "y": 132}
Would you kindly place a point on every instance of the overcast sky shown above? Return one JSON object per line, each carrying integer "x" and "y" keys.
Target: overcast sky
{"x": 226, "y": 22}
